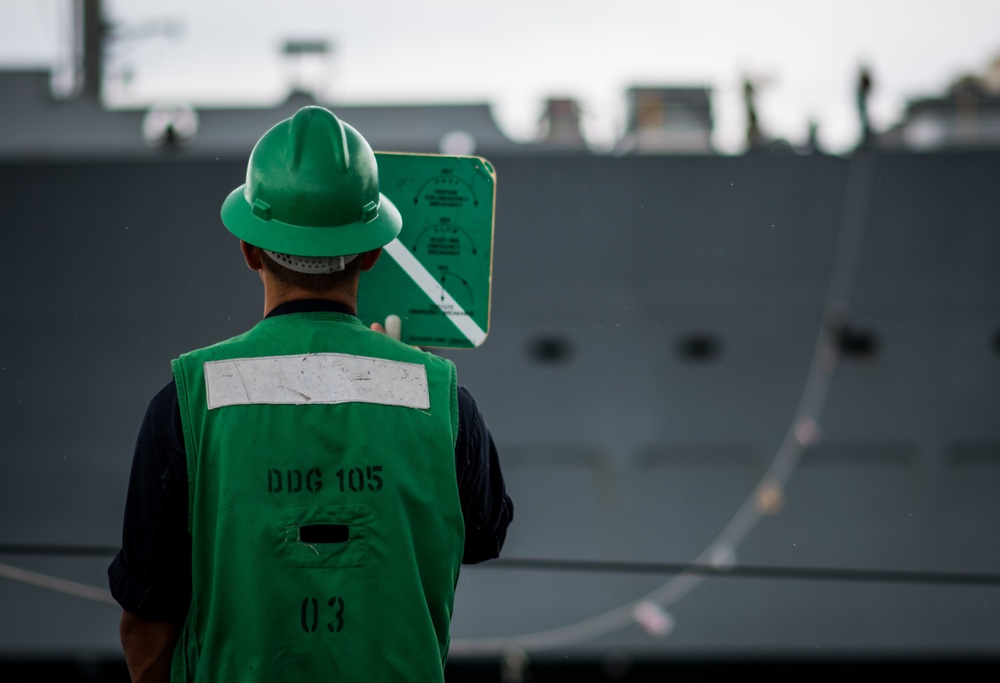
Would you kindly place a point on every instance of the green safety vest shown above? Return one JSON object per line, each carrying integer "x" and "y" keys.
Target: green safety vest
{"x": 326, "y": 528}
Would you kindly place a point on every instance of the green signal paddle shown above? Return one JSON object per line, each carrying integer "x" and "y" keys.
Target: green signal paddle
{"x": 438, "y": 274}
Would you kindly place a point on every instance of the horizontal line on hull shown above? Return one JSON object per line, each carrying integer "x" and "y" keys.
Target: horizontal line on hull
{"x": 750, "y": 572}
{"x": 620, "y": 567}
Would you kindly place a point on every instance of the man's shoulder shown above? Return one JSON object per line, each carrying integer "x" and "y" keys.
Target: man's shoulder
{"x": 381, "y": 343}
{"x": 367, "y": 343}
{"x": 218, "y": 347}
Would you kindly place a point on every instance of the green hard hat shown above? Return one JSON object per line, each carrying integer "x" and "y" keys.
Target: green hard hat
{"x": 312, "y": 190}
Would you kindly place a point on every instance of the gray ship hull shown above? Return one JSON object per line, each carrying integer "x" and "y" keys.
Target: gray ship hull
{"x": 770, "y": 361}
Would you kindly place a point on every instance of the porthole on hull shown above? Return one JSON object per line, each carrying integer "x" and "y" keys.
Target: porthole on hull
{"x": 699, "y": 347}
{"x": 550, "y": 349}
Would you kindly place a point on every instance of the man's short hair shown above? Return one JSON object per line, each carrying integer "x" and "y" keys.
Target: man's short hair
{"x": 316, "y": 283}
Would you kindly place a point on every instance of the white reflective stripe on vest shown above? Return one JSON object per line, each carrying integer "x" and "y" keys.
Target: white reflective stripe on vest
{"x": 316, "y": 378}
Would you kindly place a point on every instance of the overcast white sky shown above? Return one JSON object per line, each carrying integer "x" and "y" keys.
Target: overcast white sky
{"x": 515, "y": 53}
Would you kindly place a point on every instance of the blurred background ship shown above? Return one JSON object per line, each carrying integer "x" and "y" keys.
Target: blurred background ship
{"x": 778, "y": 371}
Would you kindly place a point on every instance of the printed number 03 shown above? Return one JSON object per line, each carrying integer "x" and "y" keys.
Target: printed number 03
{"x": 310, "y": 615}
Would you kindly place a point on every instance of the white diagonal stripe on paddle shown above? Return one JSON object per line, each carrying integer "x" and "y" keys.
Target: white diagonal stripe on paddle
{"x": 435, "y": 292}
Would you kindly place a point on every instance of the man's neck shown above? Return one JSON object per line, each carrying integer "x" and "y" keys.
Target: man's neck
{"x": 274, "y": 297}
{"x": 310, "y": 306}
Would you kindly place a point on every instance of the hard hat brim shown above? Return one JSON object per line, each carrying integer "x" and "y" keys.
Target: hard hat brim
{"x": 340, "y": 240}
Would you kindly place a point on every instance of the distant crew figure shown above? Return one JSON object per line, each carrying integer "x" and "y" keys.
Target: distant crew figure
{"x": 863, "y": 92}
{"x": 755, "y": 138}
{"x": 812, "y": 141}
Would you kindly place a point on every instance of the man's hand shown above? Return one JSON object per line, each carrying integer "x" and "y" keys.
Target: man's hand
{"x": 393, "y": 327}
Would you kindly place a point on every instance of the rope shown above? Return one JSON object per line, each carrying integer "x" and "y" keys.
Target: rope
{"x": 52, "y": 583}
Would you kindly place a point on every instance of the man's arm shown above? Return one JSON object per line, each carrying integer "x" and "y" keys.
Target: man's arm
{"x": 151, "y": 576}
{"x": 149, "y": 647}
{"x": 486, "y": 507}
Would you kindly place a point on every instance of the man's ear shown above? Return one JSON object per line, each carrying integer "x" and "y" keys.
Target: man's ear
{"x": 369, "y": 258}
{"x": 252, "y": 256}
